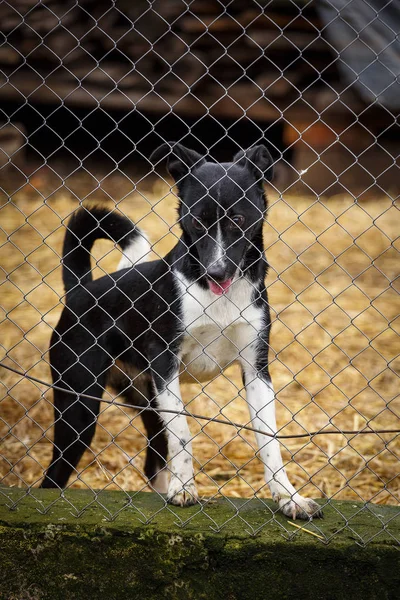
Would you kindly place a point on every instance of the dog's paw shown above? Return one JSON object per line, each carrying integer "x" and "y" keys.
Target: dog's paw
{"x": 179, "y": 495}
{"x": 298, "y": 507}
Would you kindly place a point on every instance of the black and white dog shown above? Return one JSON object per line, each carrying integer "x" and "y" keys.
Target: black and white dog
{"x": 193, "y": 313}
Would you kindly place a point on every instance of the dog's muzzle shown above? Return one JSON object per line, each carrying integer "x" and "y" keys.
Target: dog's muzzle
{"x": 217, "y": 278}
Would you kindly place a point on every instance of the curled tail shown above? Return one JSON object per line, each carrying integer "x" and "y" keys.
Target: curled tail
{"x": 90, "y": 224}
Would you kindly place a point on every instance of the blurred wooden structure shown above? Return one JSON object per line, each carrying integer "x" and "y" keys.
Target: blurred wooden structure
{"x": 266, "y": 61}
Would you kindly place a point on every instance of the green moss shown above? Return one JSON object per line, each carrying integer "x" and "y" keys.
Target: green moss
{"x": 145, "y": 553}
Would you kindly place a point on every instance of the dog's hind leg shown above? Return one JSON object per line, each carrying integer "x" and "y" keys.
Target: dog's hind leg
{"x": 75, "y": 420}
{"x": 139, "y": 391}
{"x": 155, "y": 466}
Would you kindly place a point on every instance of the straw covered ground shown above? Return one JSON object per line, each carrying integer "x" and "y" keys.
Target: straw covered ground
{"x": 334, "y": 355}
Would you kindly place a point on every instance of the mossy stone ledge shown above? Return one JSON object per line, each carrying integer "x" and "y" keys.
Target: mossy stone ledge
{"x": 60, "y": 548}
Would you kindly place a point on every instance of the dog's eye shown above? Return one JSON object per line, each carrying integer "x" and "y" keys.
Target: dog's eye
{"x": 236, "y": 221}
{"x": 197, "y": 224}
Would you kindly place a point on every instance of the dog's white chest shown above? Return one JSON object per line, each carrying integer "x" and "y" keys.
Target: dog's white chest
{"x": 219, "y": 330}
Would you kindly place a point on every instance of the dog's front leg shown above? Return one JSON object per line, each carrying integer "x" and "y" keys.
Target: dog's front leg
{"x": 261, "y": 400}
{"x": 182, "y": 488}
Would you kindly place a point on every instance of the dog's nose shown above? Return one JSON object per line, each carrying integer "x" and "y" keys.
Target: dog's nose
{"x": 217, "y": 272}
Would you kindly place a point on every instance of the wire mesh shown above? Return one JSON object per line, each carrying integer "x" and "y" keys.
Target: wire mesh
{"x": 330, "y": 236}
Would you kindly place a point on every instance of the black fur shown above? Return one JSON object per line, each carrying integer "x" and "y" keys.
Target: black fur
{"x": 131, "y": 320}
{"x": 84, "y": 228}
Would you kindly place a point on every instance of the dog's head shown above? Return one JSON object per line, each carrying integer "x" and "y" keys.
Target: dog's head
{"x": 221, "y": 208}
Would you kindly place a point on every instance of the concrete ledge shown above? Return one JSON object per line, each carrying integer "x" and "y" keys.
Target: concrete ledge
{"x": 146, "y": 554}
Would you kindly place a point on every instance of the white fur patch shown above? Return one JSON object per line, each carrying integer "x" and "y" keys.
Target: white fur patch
{"x": 218, "y": 328}
{"x": 220, "y": 256}
{"x": 137, "y": 252}
{"x": 179, "y": 444}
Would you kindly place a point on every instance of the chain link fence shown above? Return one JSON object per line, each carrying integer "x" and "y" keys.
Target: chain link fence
{"x": 88, "y": 91}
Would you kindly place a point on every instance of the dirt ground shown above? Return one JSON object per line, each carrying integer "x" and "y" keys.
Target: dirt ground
{"x": 334, "y": 296}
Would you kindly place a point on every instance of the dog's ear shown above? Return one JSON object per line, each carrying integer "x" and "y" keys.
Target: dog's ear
{"x": 258, "y": 160}
{"x": 180, "y": 159}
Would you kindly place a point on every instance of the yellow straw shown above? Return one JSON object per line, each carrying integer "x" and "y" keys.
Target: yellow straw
{"x": 306, "y": 530}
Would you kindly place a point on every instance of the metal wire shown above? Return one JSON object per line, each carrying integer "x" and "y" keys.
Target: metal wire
{"x": 85, "y": 92}
{"x": 186, "y": 413}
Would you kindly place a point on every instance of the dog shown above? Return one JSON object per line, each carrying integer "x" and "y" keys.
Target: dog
{"x": 149, "y": 325}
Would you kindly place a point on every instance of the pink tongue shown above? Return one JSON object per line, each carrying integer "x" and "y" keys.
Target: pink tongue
{"x": 219, "y": 288}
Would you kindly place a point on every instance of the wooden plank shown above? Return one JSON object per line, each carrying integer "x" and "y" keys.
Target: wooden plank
{"x": 205, "y": 7}
{"x": 237, "y": 104}
{"x": 286, "y": 40}
{"x": 295, "y": 22}
{"x": 214, "y": 24}
{"x": 230, "y": 103}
